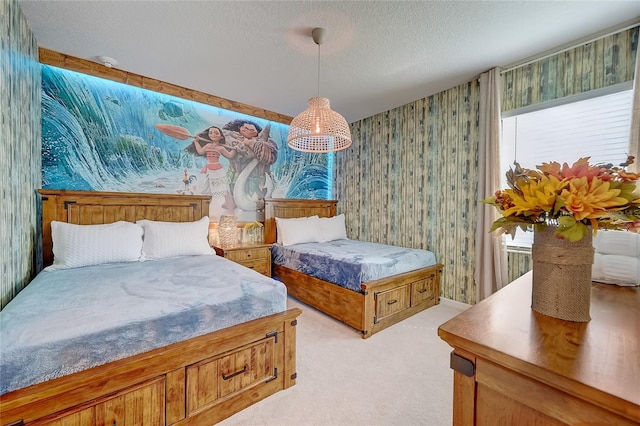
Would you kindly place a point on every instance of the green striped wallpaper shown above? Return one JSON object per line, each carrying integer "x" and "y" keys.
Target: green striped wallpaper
{"x": 20, "y": 165}
{"x": 409, "y": 180}
{"x": 602, "y": 63}
{"x": 518, "y": 263}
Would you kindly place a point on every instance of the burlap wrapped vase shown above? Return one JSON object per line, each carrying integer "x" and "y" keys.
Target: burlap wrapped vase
{"x": 561, "y": 275}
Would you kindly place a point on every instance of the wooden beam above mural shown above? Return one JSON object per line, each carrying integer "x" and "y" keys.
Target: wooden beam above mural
{"x": 60, "y": 60}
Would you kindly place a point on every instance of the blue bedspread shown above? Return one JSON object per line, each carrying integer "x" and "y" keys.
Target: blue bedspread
{"x": 70, "y": 320}
{"x": 350, "y": 263}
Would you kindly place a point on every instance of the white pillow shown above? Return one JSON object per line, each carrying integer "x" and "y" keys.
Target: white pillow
{"x": 622, "y": 243}
{"x": 332, "y": 228}
{"x": 298, "y": 230}
{"x": 279, "y": 221}
{"x": 83, "y": 245}
{"x": 171, "y": 239}
{"x": 616, "y": 269}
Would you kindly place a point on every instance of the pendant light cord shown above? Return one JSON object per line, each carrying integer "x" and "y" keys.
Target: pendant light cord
{"x": 318, "y": 69}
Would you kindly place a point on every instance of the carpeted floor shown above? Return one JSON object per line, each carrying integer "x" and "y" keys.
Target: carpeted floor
{"x": 400, "y": 376}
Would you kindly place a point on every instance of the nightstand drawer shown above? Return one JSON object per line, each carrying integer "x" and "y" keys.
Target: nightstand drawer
{"x": 242, "y": 255}
{"x": 258, "y": 265}
{"x": 253, "y": 256}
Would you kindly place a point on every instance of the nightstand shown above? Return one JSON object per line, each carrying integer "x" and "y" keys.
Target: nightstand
{"x": 254, "y": 256}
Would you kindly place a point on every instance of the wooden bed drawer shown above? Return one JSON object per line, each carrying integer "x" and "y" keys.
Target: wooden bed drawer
{"x": 424, "y": 291}
{"x": 140, "y": 404}
{"x": 392, "y": 301}
{"x": 211, "y": 380}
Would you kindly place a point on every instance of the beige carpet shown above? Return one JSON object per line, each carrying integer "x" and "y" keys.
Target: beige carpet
{"x": 400, "y": 376}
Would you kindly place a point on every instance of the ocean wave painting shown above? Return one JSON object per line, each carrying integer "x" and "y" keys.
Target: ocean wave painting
{"x": 99, "y": 135}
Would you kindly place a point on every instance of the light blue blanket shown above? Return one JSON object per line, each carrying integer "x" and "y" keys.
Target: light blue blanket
{"x": 350, "y": 263}
{"x": 70, "y": 320}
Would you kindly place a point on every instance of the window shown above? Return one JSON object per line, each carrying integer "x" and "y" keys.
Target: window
{"x": 596, "y": 124}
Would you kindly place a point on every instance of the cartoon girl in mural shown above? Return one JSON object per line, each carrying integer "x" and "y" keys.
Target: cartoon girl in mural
{"x": 210, "y": 143}
{"x": 250, "y": 172}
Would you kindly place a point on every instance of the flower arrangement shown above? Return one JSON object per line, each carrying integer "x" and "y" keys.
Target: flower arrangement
{"x": 253, "y": 232}
{"x": 601, "y": 196}
{"x": 252, "y": 225}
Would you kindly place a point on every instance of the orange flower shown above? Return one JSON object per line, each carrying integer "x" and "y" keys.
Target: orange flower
{"x": 580, "y": 168}
{"x": 591, "y": 200}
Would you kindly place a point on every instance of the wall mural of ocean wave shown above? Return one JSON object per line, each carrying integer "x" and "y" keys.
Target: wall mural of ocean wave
{"x": 99, "y": 135}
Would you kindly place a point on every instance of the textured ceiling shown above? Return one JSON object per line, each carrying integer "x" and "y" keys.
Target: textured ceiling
{"x": 376, "y": 55}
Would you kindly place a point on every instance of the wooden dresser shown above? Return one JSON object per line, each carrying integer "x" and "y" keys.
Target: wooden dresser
{"x": 514, "y": 366}
{"x": 254, "y": 256}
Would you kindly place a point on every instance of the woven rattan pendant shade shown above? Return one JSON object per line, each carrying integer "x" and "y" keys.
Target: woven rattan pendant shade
{"x": 319, "y": 128}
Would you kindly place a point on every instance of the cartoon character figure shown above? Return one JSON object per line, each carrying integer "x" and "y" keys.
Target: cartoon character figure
{"x": 210, "y": 143}
{"x": 187, "y": 180}
{"x": 250, "y": 172}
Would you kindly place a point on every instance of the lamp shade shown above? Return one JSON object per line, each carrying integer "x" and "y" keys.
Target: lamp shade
{"x": 227, "y": 231}
{"x": 319, "y": 129}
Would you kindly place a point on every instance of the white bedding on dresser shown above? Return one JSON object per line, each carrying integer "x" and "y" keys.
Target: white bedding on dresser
{"x": 621, "y": 243}
{"x": 617, "y": 258}
{"x": 70, "y": 320}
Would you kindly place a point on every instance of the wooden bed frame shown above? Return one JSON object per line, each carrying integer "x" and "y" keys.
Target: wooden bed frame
{"x": 380, "y": 304}
{"x": 194, "y": 382}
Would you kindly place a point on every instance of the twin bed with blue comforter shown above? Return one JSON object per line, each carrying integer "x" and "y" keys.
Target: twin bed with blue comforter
{"x": 177, "y": 336}
{"x": 366, "y": 285}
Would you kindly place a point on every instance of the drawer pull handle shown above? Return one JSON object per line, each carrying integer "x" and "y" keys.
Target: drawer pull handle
{"x": 424, "y": 290}
{"x": 391, "y": 302}
{"x": 244, "y": 370}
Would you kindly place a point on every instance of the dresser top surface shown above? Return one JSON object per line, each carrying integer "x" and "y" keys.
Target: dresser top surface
{"x": 602, "y": 355}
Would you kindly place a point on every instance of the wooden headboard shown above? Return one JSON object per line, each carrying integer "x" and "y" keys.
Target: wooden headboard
{"x": 93, "y": 208}
{"x": 290, "y": 208}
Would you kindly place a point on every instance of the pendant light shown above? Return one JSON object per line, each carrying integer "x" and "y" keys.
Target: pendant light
{"x": 318, "y": 128}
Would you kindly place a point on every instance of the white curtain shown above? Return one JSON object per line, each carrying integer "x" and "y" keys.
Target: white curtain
{"x": 491, "y": 255}
{"x": 635, "y": 116}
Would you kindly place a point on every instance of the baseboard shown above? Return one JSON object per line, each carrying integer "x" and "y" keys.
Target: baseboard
{"x": 454, "y": 303}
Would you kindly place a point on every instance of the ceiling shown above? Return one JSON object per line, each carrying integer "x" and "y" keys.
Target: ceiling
{"x": 376, "y": 55}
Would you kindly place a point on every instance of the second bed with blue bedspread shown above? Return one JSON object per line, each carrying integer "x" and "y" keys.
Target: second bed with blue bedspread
{"x": 349, "y": 263}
